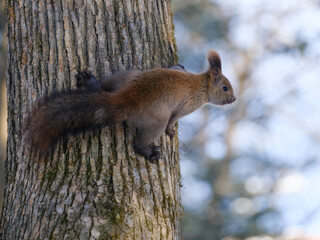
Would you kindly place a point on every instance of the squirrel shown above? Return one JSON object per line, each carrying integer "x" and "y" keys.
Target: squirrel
{"x": 151, "y": 101}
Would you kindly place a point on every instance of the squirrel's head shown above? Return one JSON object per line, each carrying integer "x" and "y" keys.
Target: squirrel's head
{"x": 220, "y": 91}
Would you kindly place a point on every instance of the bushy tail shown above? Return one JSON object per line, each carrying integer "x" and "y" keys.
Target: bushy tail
{"x": 69, "y": 112}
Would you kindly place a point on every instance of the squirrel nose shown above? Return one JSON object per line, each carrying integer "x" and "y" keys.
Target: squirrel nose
{"x": 232, "y": 99}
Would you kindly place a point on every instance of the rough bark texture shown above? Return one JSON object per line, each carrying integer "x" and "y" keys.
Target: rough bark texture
{"x": 94, "y": 186}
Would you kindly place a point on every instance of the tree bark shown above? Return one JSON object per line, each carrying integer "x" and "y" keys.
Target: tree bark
{"x": 94, "y": 186}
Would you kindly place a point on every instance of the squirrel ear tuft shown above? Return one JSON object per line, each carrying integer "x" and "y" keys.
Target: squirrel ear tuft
{"x": 214, "y": 60}
{"x": 214, "y": 65}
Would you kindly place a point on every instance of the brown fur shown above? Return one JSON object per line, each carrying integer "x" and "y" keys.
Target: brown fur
{"x": 151, "y": 101}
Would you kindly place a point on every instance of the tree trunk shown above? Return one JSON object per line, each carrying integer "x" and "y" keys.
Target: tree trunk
{"x": 94, "y": 186}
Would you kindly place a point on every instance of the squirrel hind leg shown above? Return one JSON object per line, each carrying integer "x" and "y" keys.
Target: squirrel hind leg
{"x": 143, "y": 143}
{"x": 87, "y": 80}
{"x": 151, "y": 152}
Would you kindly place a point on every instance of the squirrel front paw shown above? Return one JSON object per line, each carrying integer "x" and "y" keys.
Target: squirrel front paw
{"x": 170, "y": 132}
{"x": 178, "y": 67}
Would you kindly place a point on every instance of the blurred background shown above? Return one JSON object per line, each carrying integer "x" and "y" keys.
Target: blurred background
{"x": 250, "y": 170}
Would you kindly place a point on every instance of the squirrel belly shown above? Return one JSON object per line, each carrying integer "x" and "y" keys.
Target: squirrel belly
{"x": 150, "y": 101}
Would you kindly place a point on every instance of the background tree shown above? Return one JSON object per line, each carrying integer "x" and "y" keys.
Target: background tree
{"x": 93, "y": 185}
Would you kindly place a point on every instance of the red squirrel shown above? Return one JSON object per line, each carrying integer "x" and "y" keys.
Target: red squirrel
{"x": 151, "y": 101}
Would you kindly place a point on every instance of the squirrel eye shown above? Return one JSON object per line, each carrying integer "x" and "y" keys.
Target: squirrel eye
{"x": 225, "y": 88}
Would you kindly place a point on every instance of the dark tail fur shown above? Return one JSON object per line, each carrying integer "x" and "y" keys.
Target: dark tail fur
{"x": 69, "y": 112}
